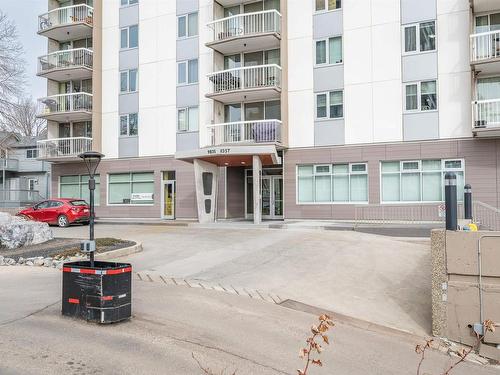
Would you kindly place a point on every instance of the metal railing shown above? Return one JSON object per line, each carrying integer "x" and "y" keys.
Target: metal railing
{"x": 63, "y": 147}
{"x": 71, "y": 58}
{"x": 73, "y": 102}
{"x": 486, "y": 216}
{"x": 66, "y": 16}
{"x": 485, "y": 46}
{"x": 18, "y": 198}
{"x": 486, "y": 113}
{"x": 9, "y": 164}
{"x": 244, "y": 78}
{"x": 261, "y": 131}
{"x": 240, "y": 25}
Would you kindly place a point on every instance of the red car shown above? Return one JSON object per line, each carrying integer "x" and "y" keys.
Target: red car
{"x": 60, "y": 211}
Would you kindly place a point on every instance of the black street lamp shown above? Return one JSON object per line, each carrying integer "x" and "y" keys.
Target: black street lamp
{"x": 92, "y": 160}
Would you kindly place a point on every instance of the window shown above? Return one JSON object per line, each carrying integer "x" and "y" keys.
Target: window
{"x": 420, "y": 37}
{"x": 31, "y": 153}
{"x": 129, "y": 37}
{"x": 129, "y": 124}
{"x": 31, "y": 184}
{"x": 128, "y": 2}
{"x": 330, "y": 105}
{"x": 420, "y": 96}
{"x": 325, "y": 5}
{"x": 187, "y": 72}
{"x": 332, "y": 183}
{"x": 329, "y": 51}
{"x": 131, "y": 188}
{"x": 419, "y": 180}
{"x": 187, "y": 25}
{"x": 128, "y": 80}
{"x": 77, "y": 186}
{"x": 187, "y": 119}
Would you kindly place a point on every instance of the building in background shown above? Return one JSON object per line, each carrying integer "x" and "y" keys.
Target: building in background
{"x": 23, "y": 178}
{"x": 272, "y": 109}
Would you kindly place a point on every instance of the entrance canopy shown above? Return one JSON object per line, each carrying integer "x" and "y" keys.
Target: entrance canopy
{"x": 232, "y": 156}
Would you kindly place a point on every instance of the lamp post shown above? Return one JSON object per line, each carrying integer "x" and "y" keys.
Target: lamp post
{"x": 91, "y": 160}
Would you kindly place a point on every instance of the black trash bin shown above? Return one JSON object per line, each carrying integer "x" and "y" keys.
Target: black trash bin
{"x": 101, "y": 294}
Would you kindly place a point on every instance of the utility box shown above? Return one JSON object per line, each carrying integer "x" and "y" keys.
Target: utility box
{"x": 101, "y": 294}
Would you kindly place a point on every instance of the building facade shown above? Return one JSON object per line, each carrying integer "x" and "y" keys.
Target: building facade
{"x": 324, "y": 105}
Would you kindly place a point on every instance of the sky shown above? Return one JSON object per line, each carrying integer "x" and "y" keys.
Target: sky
{"x": 24, "y": 13}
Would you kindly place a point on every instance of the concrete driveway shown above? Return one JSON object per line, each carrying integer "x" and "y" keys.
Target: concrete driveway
{"x": 376, "y": 278}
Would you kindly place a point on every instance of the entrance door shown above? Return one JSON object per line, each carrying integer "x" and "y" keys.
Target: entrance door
{"x": 168, "y": 200}
{"x": 272, "y": 197}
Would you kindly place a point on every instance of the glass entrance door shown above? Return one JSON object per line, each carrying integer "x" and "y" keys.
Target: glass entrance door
{"x": 168, "y": 204}
{"x": 272, "y": 197}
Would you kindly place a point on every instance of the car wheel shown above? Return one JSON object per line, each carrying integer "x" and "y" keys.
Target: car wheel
{"x": 85, "y": 222}
{"x": 63, "y": 221}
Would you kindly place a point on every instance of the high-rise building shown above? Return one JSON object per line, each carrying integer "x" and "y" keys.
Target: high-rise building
{"x": 324, "y": 105}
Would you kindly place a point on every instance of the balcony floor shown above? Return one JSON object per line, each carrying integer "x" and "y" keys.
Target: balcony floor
{"x": 66, "y": 32}
{"x": 66, "y": 74}
{"x": 246, "y": 43}
{"x": 486, "y": 67}
{"x": 67, "y": 116}
{"x": 487, "y": 132}
{"x": 246, "y": 95}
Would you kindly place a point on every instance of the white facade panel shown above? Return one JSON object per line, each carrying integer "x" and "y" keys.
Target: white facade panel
{"x": 454, "y": 96}
{"x": 205, "y": 67}
{"x": 357, "y": 56}
{"x": 110, "y": 133}
{"x": 358, "y": 110}
{"x": 453, "y": 42}
{"x": 357, "y": 14}
{"x": 450, "y": 6}
{"x": 385, "y": 11}
{"x": 386, "y": 52}
{"x": 301, "y": 118}
{"x": 387, "y": 111}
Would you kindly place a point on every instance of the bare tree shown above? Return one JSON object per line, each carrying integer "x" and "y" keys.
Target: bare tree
{"x": 12, "y": 64}
{"x": 21, "y": 118}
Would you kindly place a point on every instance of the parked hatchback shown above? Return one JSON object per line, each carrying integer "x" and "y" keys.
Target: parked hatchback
{"x": 62, "y": 212}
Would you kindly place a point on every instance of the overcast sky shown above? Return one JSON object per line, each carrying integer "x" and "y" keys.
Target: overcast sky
{"x": 24, "y": 13}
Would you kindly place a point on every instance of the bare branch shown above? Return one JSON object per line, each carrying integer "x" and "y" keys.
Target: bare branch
{"x": 21, "y": 118}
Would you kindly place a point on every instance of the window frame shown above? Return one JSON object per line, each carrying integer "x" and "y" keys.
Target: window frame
{"x": 128, "y": 37}
{"x": 130, "y": 181}
{"x": 135, "y": 2}
{"x": 327, "y": 51}
{"x": 326, "y": 10}
{"x": 186, "y": 71}
{"x": 419, "y": 97}
{"x": 186, "y": 29}
{"x": 332, "y": 174}
{"x": 80, "y": 184}
{"x": 328, "y": 104}
{"x": 31, "y": 153}
{"x": 188, "y": 130}
{"x": 417, "y": 26}
{"x": 127, "y": 115}
{"x": 443, "y": 170}
{"x": 127, "y": 71}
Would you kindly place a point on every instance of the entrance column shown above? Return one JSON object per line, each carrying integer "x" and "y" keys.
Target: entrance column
{"x": 206, "y": 176}
{"x": 257, "y": 194}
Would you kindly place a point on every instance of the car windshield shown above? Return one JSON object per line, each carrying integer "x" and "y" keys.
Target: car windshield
{"x": 79, "y": 203}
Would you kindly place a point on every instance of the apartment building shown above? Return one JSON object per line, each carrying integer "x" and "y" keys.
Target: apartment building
{"x": 272, "y": 109}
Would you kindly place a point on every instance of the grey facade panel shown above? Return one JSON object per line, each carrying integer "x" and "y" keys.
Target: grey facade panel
{"x": 327, "y": 24}
{"x": 420, "y": 67}
{"x": 328, "y": 78}
{"x": 420, "y": 126}
{"x": 187, "y": 49}
{"x": 128, "y": 147}
{"x": 186, "y": 6}
{"x": 417, "y": 11}
{"x": 128, "y": 103}
{"x": 129, "y": 59}
{"x": 188, "y": 141}
{"x": 328, "y": 133}
{"x": 129, "y": 15}
{"x": 187, "y": 96}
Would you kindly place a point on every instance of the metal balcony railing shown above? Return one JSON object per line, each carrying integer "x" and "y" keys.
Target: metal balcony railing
{"x": 71, "y": 58}
{"x": 9, "y": 164}
{"x": 19, "y": 198}
{"x": 485, "y": 46}
{"x": 81, "y": 13}
{"x": 73, "y": 102}
{"x": 247, "y": 24}
{"x": 486, "y": 113}
{"x": 262, "y": 131}
{"x": 63, "y": 147}
{"x": 244, "y": 78}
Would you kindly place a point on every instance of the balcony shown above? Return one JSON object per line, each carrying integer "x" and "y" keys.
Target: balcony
{"x": 484, "y": 5}
{"x": 9, "y": 165}
{"x": 67, "y": 23}
{"x": 246, "y": 83}
{"x": 246, "y": 32}
{"x": 486, "y": 118}
{"x": 244, "y": 132}
{"x": 76, "y": 106}
{"x": 72, "y": 64}
{"x": 63, "y": 149}
{"x": 485, "y": 51}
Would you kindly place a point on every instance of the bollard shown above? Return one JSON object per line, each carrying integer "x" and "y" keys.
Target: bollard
{"x": 450, "y": 199}
{"x": 468, "y": 202}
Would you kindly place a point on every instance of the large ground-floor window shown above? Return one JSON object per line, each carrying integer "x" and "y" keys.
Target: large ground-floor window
{"x": 131, "y": 188}
{"x": 419, "y": 180}
{"x": 332, "y": 183}
{"x": 77, "y": 186}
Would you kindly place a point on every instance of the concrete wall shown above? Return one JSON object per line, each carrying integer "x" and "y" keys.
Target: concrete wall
{"x": 455, "y": 286}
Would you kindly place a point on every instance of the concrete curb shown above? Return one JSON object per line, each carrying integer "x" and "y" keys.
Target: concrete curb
{"x": 119, "y": 253}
